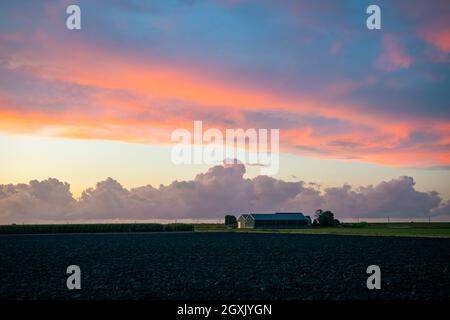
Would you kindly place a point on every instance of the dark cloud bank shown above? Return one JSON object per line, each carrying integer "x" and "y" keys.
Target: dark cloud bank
{"x": 221, "y": 190}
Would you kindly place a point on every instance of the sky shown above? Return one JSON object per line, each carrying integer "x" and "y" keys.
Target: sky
{"x": 362, "y": 113}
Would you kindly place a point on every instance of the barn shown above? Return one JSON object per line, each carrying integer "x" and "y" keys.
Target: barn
{"x": 278, "y": 220}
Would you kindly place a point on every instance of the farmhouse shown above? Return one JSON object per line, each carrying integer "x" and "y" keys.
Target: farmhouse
{"x": 278, "y": 220}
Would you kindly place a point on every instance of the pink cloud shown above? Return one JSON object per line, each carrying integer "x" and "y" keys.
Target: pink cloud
{"x": 439, "y": 39}
{"x": 393, "y": 56}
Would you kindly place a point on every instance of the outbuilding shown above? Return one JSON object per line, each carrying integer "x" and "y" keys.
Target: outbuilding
{"x": 278, "y": 220}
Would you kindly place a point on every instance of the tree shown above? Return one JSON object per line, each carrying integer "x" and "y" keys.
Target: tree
{"x": 230, "y": 221}
{"x": 325, "y": 219}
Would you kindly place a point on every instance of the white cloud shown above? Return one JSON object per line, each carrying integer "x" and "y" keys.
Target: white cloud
{"x": 220, "y": 190}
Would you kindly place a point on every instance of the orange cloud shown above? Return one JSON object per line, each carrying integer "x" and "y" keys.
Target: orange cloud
{"x": 134, "y": 100}
{"x": 440, "y": 39}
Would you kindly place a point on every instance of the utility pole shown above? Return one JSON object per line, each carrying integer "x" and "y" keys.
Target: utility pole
{"x": 388, "y": 220}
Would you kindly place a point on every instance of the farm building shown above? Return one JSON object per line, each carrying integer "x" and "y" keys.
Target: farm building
{"x": 278, "y": 220}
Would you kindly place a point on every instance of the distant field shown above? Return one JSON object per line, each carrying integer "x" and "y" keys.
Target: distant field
{"x": 367, "y": 229}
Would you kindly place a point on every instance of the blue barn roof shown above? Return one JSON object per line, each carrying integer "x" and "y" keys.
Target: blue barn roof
{"x": 291, "y": 216}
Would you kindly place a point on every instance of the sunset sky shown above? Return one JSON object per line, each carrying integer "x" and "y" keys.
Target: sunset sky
{"x": 354, "y": 107}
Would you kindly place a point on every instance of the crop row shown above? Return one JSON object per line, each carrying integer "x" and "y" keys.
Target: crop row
{"x": 93, "y": 228}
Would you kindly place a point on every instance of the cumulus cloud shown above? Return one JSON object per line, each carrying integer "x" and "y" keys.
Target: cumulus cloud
{"x": 220, "y": 190}
{"x": 444, "y": 209}
{"x": 48, "y": 199}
